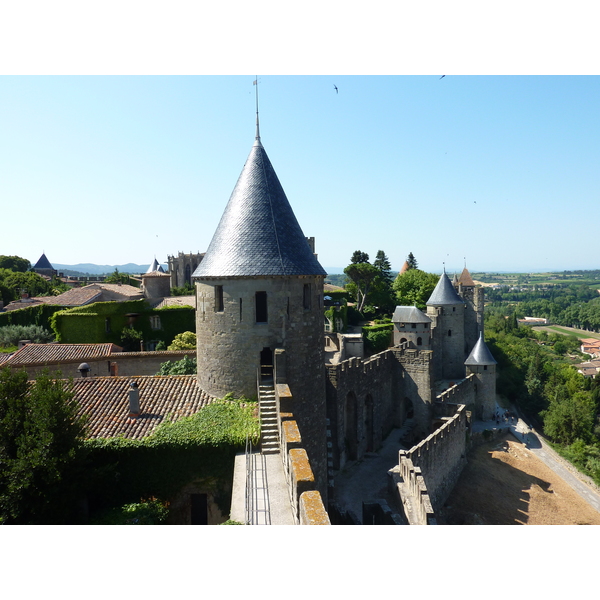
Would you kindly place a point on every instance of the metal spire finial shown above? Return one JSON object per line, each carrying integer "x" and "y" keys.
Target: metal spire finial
{"x": 257, "y": 138}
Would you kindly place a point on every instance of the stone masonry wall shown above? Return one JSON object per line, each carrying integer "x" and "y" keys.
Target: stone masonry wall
{"x": 442, "y": 456}
{"x": 128, "y": 363}
{"x": 230, "y": 342}
{"x": 362, "y": 391}
{"x": 307, "y": 502}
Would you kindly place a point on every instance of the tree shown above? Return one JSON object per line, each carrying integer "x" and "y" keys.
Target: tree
{"x": 32, "y": 283}
{"x": 186, "y": 366}
{"x": 131, "y": 339}
{"x": 382, "y": 263}
{"x": 412, "y": 261}
{"x": 41, "y": 450}
{"x": 14, "y": 263}
{"x": 117, "y": 277}
{"x": 414, "y": 288}
{"x": 359, "y": 257}
{"x": 183, "y": 341}
{"x": 362, "y": 276}
{"x": 11, "y": 334}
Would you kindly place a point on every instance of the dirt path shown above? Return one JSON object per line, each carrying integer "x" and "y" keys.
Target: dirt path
{"x": 504, "y": 483}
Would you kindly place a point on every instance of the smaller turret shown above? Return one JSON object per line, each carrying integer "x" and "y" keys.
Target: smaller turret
{"x": 482, "y": 364}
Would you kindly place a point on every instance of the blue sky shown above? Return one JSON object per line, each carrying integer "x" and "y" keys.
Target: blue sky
{"x": 499, "y": 170}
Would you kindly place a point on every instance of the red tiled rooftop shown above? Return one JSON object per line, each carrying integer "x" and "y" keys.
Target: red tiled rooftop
{"x": 40, "y": 354}
{"x": 106, "y": 402}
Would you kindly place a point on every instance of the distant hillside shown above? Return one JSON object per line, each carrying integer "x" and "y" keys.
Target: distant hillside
{"x": 91, "y": 269}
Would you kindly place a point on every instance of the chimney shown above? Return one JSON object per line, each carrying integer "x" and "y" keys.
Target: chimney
{"x": 134, "y": 400}
{"x": 84, "y": 369}
{"x": 23, "y": 343}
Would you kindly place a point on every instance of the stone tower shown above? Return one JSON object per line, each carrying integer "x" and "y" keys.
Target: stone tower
{"x": 446, "y": 309}
{"x": 473, "y": 297}
{"x": 259, "y": 288}
{"x": 483, "y": 365}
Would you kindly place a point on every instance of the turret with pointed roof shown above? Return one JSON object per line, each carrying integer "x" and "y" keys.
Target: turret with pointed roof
{"x": 447, "y": 311}
{"x": 259, "y": 301}
{"x": 43, "y": 267}
{"x": 465, "y": 278}
{"x": 480, "y": 355}
{"x": 444, "y": 293}
{"x": 258, "y": 234}
{"x": 482, "y": 365}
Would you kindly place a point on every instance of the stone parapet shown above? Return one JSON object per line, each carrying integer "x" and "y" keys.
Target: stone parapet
{"x": 311, "y": 509}
{"x": 441, "y": 456}
{"x": 412, "y": 490}
{"x": 307, "y": 502}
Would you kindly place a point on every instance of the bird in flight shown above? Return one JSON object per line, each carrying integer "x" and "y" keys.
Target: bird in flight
{"x": 336, "y": 90}
{"x": 442, "y": 77}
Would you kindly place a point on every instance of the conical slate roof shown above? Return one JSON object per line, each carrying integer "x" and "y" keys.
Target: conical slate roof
{"x": 155, "y": 267}
{"x": 258, "y": 234}
{"x": 444, "y": 293}
{"x": 480, "y": 355}
{"x": 43, "y": 263}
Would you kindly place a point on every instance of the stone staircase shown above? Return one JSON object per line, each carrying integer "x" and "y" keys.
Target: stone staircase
{"x": 269, "y": 431}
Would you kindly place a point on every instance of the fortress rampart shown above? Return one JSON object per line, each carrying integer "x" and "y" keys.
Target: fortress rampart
{"x": 440, "y": 457}
{"x": 307, "y": 503}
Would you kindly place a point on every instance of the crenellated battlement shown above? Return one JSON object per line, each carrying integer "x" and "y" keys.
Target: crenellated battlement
{"x": 441, "y": 456}
{"x": 460, "y": 393}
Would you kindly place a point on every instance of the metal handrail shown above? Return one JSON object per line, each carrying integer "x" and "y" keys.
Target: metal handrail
{"x": 257, "y": 484}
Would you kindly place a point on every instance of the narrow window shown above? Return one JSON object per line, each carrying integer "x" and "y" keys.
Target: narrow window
{"x": 155, "y": 322}
{"x": 107, "y": 325}
{"x": 413, "y": 325}
{"x": 261, "y": 307}
{"x": 485, "y": 367}
{"x": 307, "y": 303}
{"x": 218, "y": 298}
{"x": 419, "y": 342}
{"x": 288, "y": 308}
{"x": 449, "y": 332}
{"x": 240, "y": 309}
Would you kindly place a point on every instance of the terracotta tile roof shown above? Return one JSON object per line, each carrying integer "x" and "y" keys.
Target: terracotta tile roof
{"x": 175, "y": 301}
{"x": 4, "y": 356}
{"x": 40, "y": 354}
{"x": 18, "y": 304}
{"x": 123, "y": 289}
{"x": 106, "y": 402}
{"x": 466, "y": 279}
{"x": 78, "y": 296}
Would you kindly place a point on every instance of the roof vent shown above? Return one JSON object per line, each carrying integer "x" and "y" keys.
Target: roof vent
{"x": 84, "y": 369}
{"x": 134, "y": 400}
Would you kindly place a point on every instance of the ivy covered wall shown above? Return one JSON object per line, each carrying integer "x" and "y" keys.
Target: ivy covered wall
{"x": 103, "y": 322}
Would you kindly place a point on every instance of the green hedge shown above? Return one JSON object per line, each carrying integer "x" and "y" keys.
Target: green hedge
{"x": 33, "y": 315}
{"x": 339, "y": 296}
{"x": 377, "y": 337}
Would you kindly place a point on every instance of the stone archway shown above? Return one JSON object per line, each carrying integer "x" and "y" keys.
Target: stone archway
{"x": 351, "y": 426}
